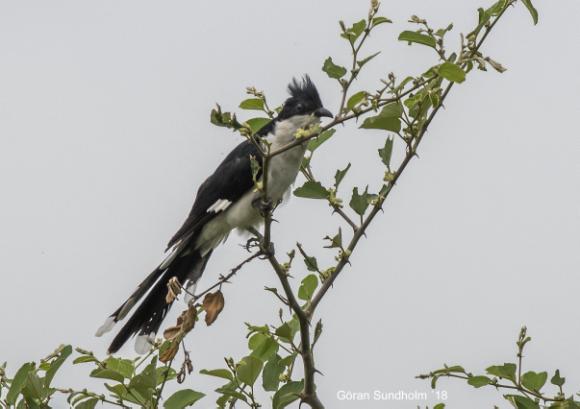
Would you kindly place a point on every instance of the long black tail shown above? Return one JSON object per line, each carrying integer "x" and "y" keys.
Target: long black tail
{"x": 148, "y": 317}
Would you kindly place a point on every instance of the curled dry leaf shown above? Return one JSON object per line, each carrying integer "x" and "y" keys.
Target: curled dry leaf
{"x": 185, "y": 323}
{"x": 170, "y": 352}
{"x": 173, "y": 290}
{"x": 187, "y": 319}
{"x": 213, "y": 304}
{"x": 171, "y": 332}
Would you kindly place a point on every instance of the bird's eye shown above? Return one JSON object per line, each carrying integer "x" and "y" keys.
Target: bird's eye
{"x": 299, "y": 108}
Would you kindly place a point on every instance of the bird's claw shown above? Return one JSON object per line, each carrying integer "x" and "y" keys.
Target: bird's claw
{"x": 252, "y": 243}
{"x": 263, "y": 205}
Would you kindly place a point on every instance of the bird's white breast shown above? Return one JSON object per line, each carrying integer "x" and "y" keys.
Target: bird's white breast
{"x": 282, "y": 172}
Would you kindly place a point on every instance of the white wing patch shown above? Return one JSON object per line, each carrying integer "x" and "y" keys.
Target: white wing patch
{"x": 219, "y": 206}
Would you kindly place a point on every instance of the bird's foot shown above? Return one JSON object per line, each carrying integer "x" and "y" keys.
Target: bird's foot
{"x": 252, "y": 243}
{"x": 255, "y": 241}
{"x": 263, "y": 205}
{"x": 256, "y": 233}
{"x": 258, "y": 241}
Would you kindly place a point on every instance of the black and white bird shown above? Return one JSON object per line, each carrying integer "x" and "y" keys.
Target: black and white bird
{"x": 225, "y": 201}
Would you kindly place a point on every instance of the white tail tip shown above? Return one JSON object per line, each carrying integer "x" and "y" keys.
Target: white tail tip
{"x": 143, "y": 343}
{"x": 106, "y": 327}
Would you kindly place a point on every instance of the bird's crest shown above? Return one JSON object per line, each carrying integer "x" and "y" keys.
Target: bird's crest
{"x": 305, "y": 90}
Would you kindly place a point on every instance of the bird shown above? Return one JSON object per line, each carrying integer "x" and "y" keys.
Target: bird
{"x": 225, "y": 201}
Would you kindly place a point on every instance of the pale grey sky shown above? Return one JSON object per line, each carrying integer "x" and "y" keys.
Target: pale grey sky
{"x": 105, "y": 137}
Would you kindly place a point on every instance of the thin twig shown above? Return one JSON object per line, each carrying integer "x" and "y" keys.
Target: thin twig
{"x": 225, "y": 278}
{"x": 387, "y": 188}
{"x": 160, "y": 392}
{"x": 346, "y": 217}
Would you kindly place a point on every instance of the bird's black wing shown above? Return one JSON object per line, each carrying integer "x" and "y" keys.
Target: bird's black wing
{"x": 231, "y": 179}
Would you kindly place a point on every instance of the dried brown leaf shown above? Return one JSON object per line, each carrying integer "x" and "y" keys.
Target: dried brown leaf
{"x": 188, "y": 318}
{"x": 169, "y": 353}
{"x": 213, "y": 304}
{"x": 173, "y": 290}
{"x": 171, "y": 332}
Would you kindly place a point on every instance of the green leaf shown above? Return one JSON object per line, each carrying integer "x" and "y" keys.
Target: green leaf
{"x": 19, "y": 382}
{"x": 225, "y": 119}
{"x": 506, "y": 371}
{"x": 249, "y": 370}
{"x": 256, "y": 124}
{"x": 271, "y": 374}
{"x": 317, "y": 331}
{"x": 359, "y": 202}
{"x": 287, "y": 394}
{"x": 88, "y": 404}
{"x": 439, "y": 406}
{"x": 230, "y": 391}
{"x": 454, "y": 368}
{"x": 354, "y": 32}
{"x": 362, "y": 62}
{"x": 387, "y": 119}
{"x": 34, "y": 389}
{"x": 219, "y": 373}
{"x": 532, "y": 10}
{"x": 84, "y": 359}
{"x": 222, "y": 401}
{"x": 521, "y": 402}
{"x": 165, "y": 373}
{"x": 557, "y": 379}
{"x": 336, "y": 241}
{"x": 122, "y": 392}
{"x": 478, "y": 381}
{"x": 569, "y": 403}
{"x": 311, "y": 263}
{"x": 452, "y": 72}
{"x": 414, "y": 37}
{"x": 392, "y": 110}
{"x": 289, "y": 360}
{"x": 497, "y": 8}
{"x": 265, "y": 349}
{"x": 263, "y": 329}
{"x": 356, "y": 99}
{"x": 314, "y": 143}
{"x": 182, "y": 399}
{"x": 55, "y": 365}
{"x": 288, "y": 330}
{"x": 418, "y": 104}
{"x": 380, "y": 20}
{"x": 333, "y": 70}
{"x": 534, "y": 381}
{"x": 256, "y": 339}
{"x": 123, "y": 366}
{"x": 107, "y": 374}
{"x": 252, "y": 104}
{"x": 339, "y": 175}
{"x": 145, "y": 382}
{"x": 311, "y": 190}
{"x": 386, "y": 152}
{"x": 442, "y": 31}
{"x": 307, "y": 287}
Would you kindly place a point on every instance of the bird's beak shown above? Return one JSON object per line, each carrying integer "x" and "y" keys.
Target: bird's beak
{"x": 320, "y": 112}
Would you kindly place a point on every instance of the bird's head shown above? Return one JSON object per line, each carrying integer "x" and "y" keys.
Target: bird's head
{"x": 304, "y": 105}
